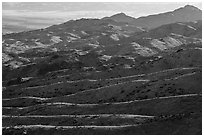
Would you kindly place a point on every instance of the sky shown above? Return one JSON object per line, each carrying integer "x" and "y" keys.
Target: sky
{"x": 22, "y": 16}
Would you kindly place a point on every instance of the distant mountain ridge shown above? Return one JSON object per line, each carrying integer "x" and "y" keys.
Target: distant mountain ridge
{"x": 187, "y": 13}
{"x": 109, "y": 36}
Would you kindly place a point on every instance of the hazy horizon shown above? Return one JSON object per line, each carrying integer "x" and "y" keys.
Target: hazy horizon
{"x": 17, "y": 16}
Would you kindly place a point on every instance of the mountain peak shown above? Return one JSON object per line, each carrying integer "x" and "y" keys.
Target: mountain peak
{"x": 120, "y": 14}
{"x": 120, "y": 17}
{"x": 187, "y": 13}
{"x": 189, "y": 7}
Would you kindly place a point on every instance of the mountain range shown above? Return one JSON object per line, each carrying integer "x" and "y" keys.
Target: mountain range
{"x": 184, "y": 14}
{"x": 115, "y": 75}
